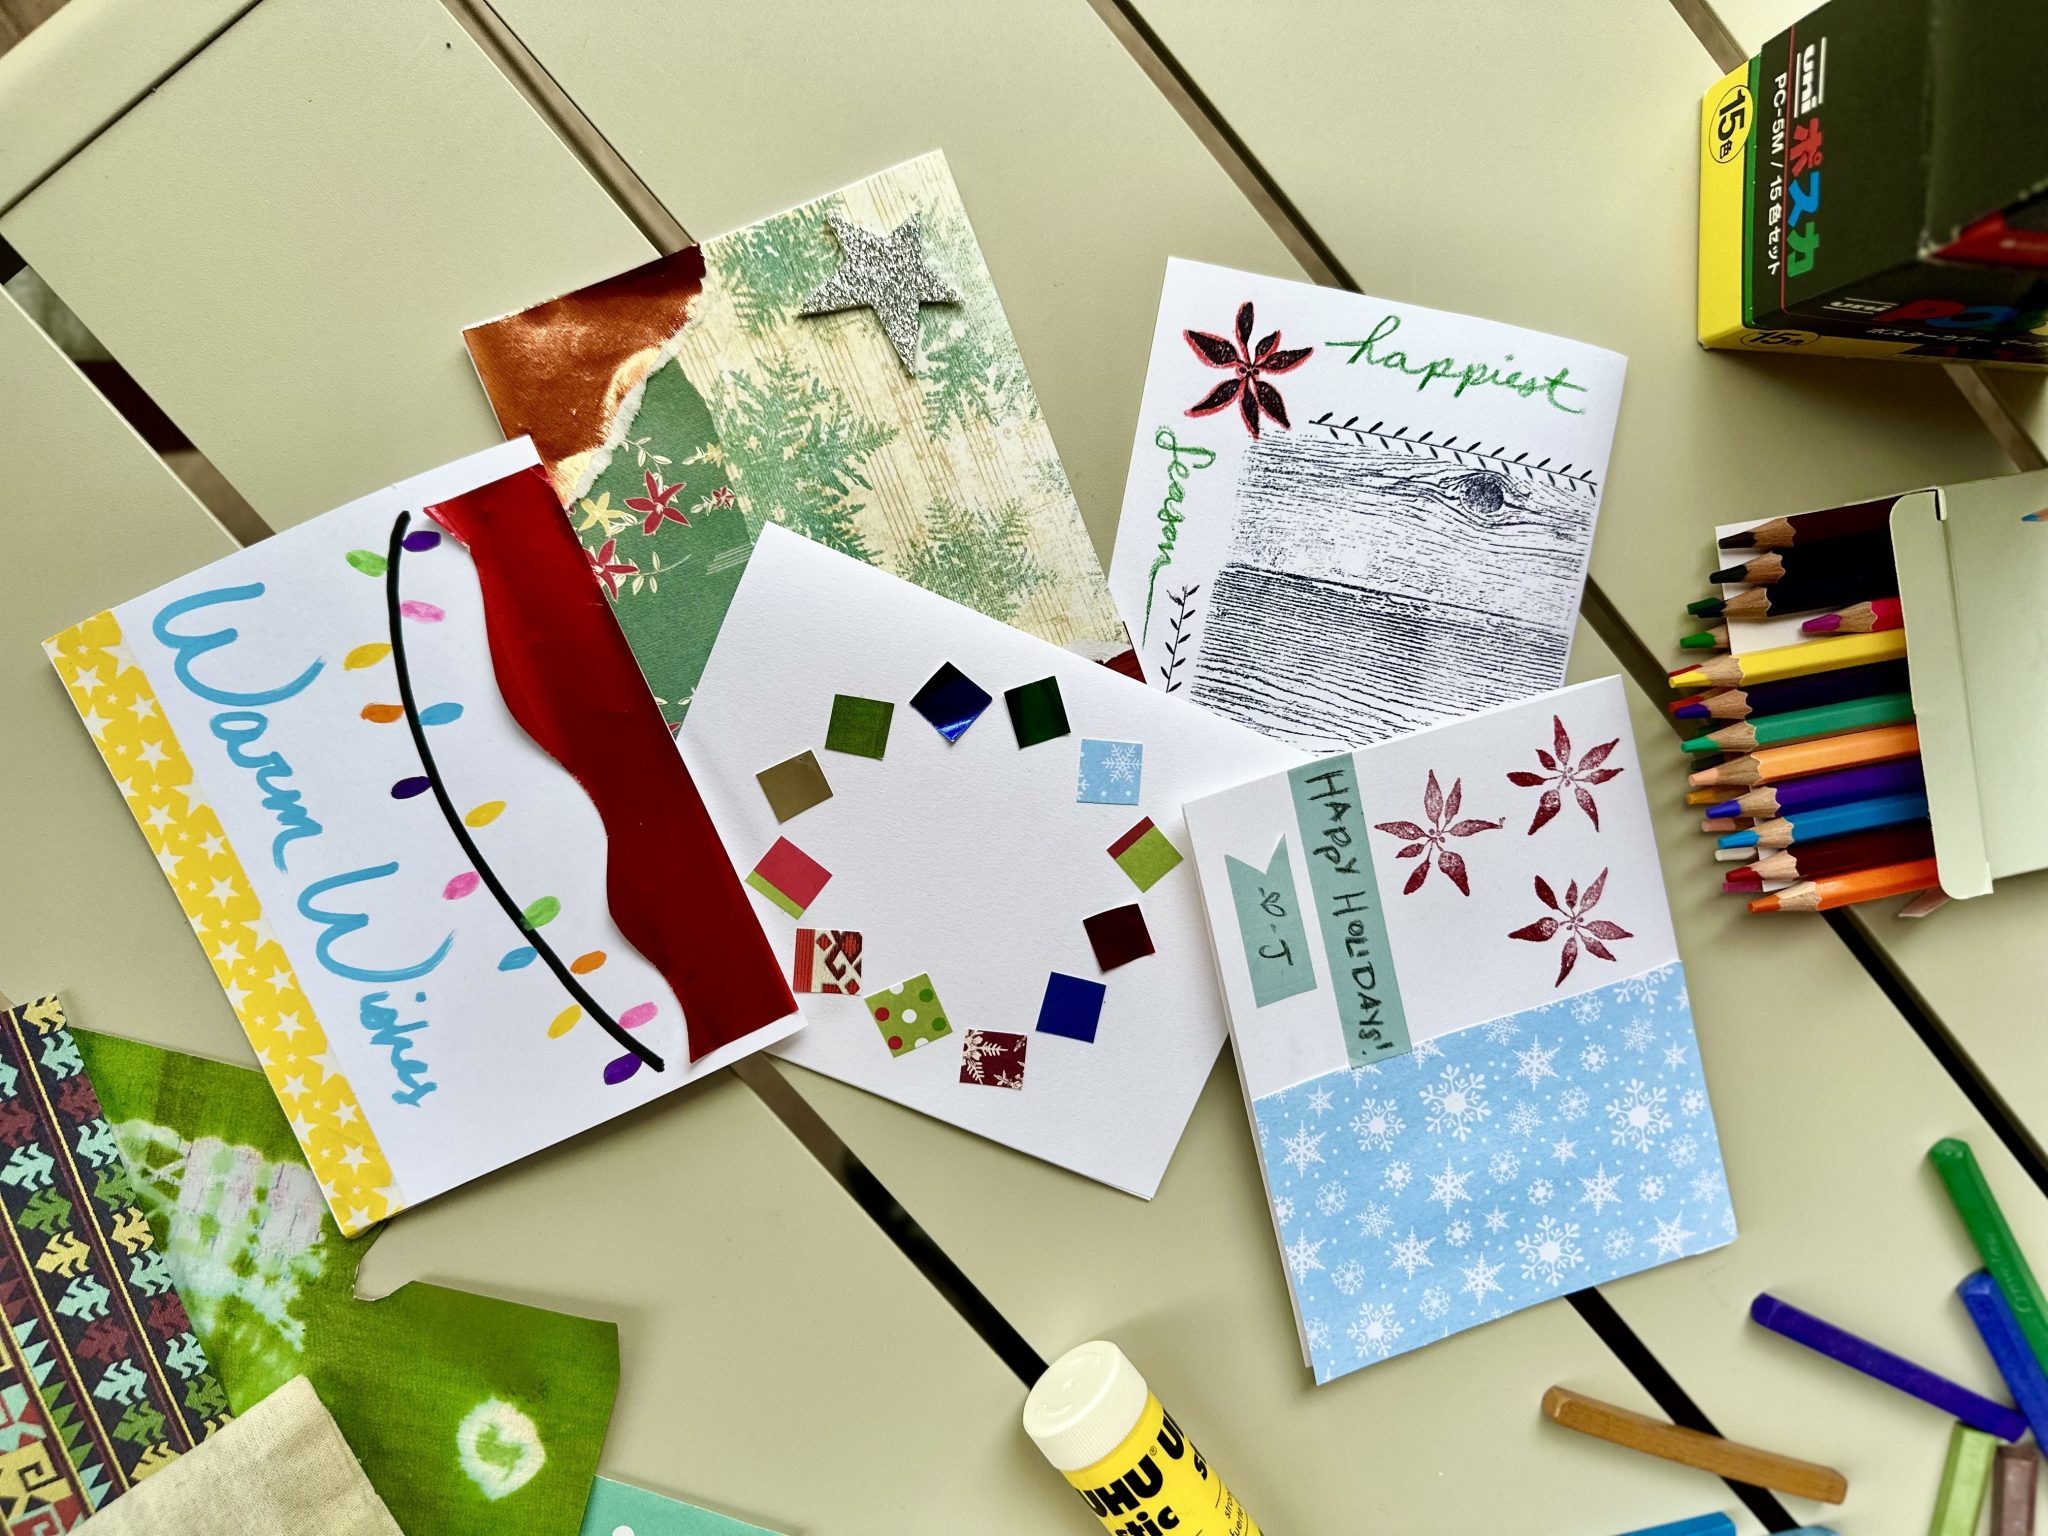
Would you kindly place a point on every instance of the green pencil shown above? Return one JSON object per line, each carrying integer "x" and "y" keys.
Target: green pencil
{"x": 1707, "y": 607}
{"x": 1989, "y": 1230}
{"x": 1805, "y": 724}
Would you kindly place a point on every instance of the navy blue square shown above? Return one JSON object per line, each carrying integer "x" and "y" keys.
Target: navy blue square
{"x": 1072, "y": 1007}
{"x": 951, "y": 701}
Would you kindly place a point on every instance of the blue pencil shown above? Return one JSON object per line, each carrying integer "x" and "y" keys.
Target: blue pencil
{"x": 1831, "y": 821}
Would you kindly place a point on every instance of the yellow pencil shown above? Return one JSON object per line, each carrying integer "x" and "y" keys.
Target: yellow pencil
{"x": 1824, "y": 655}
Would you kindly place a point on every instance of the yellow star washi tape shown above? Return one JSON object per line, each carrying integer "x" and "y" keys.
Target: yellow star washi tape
{"x": 114, "y": 698}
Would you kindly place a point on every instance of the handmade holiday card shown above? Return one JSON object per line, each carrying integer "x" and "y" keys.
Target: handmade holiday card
{"x": 406, "y": 782}
{"x": 1459, "y": 1014}
{"x": 843, "y": 369}
{"x": 966, "y": 845}
{"x": 1348, "y": 518}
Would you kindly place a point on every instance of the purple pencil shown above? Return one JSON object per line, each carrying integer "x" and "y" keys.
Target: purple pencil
{"x": 1902, "y": 777}
{"x": 1881, "y": 1364}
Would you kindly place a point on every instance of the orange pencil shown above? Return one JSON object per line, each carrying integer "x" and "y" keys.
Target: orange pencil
{"x": 1770, "y": 765}
{"x": 1847, "y": 890}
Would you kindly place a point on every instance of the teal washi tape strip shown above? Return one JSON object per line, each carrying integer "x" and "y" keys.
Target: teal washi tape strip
{"x": 1348, "y": 910}
{"x": 1270, "y": 927}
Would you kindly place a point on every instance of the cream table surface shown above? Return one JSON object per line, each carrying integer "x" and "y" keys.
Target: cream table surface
{"x": 281, "y": 243}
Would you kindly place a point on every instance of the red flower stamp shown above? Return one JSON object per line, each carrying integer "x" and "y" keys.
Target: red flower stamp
{"x": 607, "y": 568}
{"x": 1561, "y": 772}
{"x": 658, "y": 504}
{"x": 1593, "y": 934}
{"x": 1430, "y": 843}
{"x": 1249, "y": 367}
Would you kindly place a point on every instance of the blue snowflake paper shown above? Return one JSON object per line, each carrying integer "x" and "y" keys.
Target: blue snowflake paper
{"x": 1494, "y": 1168}
{"x": 1111, "y": 772}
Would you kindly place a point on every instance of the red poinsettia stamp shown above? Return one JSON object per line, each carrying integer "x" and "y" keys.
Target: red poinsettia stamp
{"x": 1249, "y": 367}
{"x": 1431, "y": 843}
{"x": 1593, "y": 934}
{"x": 1561, "y": 773}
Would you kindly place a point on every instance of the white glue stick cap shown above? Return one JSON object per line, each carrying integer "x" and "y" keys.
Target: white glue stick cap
{"x": 1084, "y": 1405}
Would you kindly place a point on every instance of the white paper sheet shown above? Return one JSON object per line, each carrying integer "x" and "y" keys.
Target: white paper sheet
{"x": 974, "y": 862}
{"x": 1408, "y": 545}
{"x": 302, "y": 784}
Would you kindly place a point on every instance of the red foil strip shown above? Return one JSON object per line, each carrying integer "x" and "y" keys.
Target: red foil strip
{"x": 564, "y": 669}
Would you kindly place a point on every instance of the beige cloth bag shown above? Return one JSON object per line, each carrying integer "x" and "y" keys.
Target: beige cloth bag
{"x": 281, "y": 1469}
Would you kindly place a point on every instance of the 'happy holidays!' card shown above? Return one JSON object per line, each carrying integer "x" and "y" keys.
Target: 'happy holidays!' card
{"x": 409, "y": 789}
{"x": 1393, "y": 501}
{"x": 1459, "y": 1014}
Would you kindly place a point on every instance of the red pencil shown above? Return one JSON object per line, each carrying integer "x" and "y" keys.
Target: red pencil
{"x": 1846, "y": 854}
{"x": 1859, "y": 619}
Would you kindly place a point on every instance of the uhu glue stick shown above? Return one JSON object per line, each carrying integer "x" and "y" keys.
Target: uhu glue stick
{"x": 1094, "y": 1418}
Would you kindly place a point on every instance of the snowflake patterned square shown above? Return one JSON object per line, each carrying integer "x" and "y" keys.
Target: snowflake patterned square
{"x": 827, "y": 961}
{"x": 909, "y": 1016}
{"x": 1494, "y": 1168}
{"x": 992, "y": 1059}
{"x": 1110, "y": 772}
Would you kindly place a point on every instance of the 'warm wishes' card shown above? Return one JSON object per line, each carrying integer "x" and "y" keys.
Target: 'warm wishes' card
{"x": 1348, "y": 518}
{"x": 1459, "y": 1014}
{"x": 967, "y": 846}
{"x": 406, "y": 781}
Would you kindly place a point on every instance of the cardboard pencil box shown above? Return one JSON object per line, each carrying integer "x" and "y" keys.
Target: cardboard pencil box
{"x": 1874, "y": 183}
{"x": 1973, "y": 573}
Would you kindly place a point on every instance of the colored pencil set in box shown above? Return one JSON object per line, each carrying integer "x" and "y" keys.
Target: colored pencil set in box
{"x": 1841, "y": 773}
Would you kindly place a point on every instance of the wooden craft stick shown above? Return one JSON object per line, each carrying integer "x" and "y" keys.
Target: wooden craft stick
{"x": 1690, "y": 1448}
{"x": 1964, "y": 1480}
{"x": 2012, "y": 1490}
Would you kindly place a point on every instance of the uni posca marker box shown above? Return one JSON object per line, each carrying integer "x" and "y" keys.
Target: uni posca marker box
{"x": 1462, "y": 1026}
{"x": 1874, "y": 183}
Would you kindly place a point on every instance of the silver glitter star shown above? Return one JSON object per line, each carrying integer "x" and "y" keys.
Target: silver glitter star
{"x": 886, "y": 273}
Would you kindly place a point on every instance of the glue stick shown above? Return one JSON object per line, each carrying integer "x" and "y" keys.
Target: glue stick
{"x": 1094, "y": 1418}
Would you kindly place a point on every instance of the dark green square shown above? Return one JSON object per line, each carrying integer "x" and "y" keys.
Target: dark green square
{"x": 1037, "y": 712}
{"x": 859, "y": 726}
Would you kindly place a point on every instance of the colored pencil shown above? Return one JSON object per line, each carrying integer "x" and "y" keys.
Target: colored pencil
{"x": 1713, "y": 638}
{"x": 1970, "y": 1192}
{"x": 1705, "y": 608}
{"x": 2035, "y": 517}
{"x": 1880, "y": 1364}
{"x": 1814, "y": 527}
{"x": 1862, "y": 550}
{"x": 1745, "y": 882}
{"x": 1807, "y": 724}
{"x": 1802, "y": 593}
{"x": 1830, "y": 821}
{"x": 1726, "y": 824}
{"x": 1701, "y": 797}
{"x": 1691, "y": 1448}
{"x": 1735, "y": 855}
{"x": 1869, "y": 618}
{"x": 1827, "y": 654}
{"x": 1768, "y": 765}
{"x": 1698, "y": 1525}
{"x": 1846, "y": 890}
{"x": 1903, "y": 777}
{"x": 1793, "y": 693}
{"x": 1875, "y": 849}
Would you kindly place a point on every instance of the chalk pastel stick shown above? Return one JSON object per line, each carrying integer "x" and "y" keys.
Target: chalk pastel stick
{"x": 1698, "y": 1525}
{"x": 1691, "y": 1448}
{"x": 2012, "y": 1490}
{"x": 1971, "y": 1194}
{"x": 1964, "y": 1480}
{"x": 1880, "y": 1364}
{"x": 2000, "y": 1331}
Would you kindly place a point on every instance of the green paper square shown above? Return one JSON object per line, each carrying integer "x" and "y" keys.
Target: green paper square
{"x": 1037, "y": 712}
{"x": 1147, "y": 858}
{"x": 859, "y": 726}
{"x": 794, "y": 786}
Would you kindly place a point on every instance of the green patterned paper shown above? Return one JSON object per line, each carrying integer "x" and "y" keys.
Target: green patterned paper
{"x": 948, "y": 478}
{"x": 470, "y": 1415}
